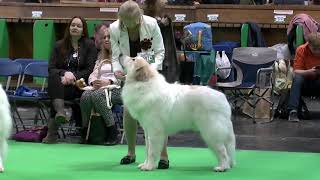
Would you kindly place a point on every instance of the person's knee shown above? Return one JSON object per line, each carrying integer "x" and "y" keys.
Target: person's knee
{"x": 85, "y": 96}
{"x": 298, "y": 78}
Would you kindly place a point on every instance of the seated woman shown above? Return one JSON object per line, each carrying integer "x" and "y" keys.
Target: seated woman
{"x": 72, "y": 58}
{"x": 95, "y": 99}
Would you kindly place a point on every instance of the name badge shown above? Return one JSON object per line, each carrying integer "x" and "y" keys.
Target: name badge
{"x": 148, "y": 56}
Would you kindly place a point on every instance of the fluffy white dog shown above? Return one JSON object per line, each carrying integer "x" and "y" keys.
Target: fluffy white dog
{"x": 5, "y": 126}
{"x": 163, "y": 109}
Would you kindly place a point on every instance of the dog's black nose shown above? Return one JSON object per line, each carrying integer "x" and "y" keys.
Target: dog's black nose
{"x": 133, "y": 59}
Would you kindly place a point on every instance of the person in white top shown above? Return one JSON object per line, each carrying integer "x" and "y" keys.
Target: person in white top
{"x": 134, "y": 33}
{"x": 101, "y": 77}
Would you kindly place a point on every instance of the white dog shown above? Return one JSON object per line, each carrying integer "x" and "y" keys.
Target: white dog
{"x": 163, "y": 109}
{"x": 5, "y": 125}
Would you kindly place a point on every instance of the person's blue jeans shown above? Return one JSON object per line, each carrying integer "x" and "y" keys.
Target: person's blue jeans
{"x": 302, "y": 87}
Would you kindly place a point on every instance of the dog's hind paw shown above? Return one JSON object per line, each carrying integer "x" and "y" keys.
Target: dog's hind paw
{"x": 146, "y": 167}
{"x": 220, "y": 169}
{"x": 1, "y": 169}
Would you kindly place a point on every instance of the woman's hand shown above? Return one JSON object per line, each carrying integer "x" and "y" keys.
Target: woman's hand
{"x": 68, "y": 78}
{"x": 101, "y": 83}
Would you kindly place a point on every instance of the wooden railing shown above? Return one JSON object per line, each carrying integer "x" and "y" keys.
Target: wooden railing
{"x": 226, "y": 19}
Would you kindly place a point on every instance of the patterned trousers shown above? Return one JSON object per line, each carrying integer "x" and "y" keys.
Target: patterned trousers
{"x": 97, "y": 100}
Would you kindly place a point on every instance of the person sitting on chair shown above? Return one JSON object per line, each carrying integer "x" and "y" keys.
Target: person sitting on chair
{"x": 97, "y": 99}
{"x": 306, "y": 79}
{"x": 72, "y": 58}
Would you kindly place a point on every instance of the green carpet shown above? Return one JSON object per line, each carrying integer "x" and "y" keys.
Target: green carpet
{"x": 31, "y": 161}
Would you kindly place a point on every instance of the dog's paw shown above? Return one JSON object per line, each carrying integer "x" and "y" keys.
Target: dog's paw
{"x": 146, "y": 167}
{"x": 220, "y": 169}
{"x": 1, "y": 169}
{"x": 142, "y": 164}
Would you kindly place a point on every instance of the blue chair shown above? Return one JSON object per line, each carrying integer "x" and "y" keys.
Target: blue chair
{"x": 24, "y": 61}
{"x": 5, "y": 59}
{"x": 9, "y": 69}
{"x": 34, "y": 69}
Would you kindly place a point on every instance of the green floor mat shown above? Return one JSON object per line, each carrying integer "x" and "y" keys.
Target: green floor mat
{"x": 30, "y": 161}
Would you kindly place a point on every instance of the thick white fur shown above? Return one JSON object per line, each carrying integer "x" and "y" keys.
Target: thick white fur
{"x": 163, "y": 109}
{"x": 5, "y": 126}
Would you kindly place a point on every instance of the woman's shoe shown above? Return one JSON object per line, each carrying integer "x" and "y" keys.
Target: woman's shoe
{"x": 52, "y": 134}
{"x": 163, "y": 164}
{"x": 128, "y": 160}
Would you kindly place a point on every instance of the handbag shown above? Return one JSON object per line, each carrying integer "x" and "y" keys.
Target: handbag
{"x": 97, "y": 131}
{"x": 34, "y": 134}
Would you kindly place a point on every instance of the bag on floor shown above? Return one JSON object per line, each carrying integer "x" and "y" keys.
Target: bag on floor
{"x": 262, "y": 107}
{"x": 34, "y": 134}
{"x": 97, "y": 131}
{"x": 282, "y": 109}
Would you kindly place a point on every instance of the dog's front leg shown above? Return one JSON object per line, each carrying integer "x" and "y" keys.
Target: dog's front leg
{"x": 154, "y": 142}
{"x": 146, "y": 149}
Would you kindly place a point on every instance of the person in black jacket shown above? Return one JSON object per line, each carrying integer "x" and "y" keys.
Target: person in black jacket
{"x": 72, "y": 58}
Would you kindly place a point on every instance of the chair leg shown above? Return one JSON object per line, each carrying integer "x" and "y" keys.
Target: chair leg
{"x": 14, "y": 120}
{"x": 15, "y": 111}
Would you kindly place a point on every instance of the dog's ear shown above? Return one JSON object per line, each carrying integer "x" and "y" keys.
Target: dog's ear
{"x": 142, "y": 74}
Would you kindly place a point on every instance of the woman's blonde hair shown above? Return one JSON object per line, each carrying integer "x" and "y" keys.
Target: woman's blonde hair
{"x": 314, "y": 39}
{"x": 128, "y": 9}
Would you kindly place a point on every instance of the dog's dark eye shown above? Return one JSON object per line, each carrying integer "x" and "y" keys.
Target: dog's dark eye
{"x": 133, "y": 59}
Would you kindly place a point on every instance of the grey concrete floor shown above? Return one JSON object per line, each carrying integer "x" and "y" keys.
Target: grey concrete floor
{"x": 278, "y": 135}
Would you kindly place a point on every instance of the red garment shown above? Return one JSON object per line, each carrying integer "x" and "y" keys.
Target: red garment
{"x": 304, "y": 58}
{"x": 309, "y": 24}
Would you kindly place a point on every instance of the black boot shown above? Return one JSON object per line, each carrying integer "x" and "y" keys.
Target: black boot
{"x": 52, "y": 135}
{"x": 58, "y": 105}
{"x": 112, "y": 135}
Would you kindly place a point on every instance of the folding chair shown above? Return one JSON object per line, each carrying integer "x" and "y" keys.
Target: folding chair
{"x": 8, "y": 69}
{"x": 254, "y": 78}
{"x": 24, "y": 61}
{"x": 34, "y": 69}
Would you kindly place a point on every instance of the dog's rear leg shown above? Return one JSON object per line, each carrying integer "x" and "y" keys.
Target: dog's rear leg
{"x": 222, "y": 156}
{"x": 154, "y": 142}
{"x": 231, "y": 150}
{"x": 217, "y": 147}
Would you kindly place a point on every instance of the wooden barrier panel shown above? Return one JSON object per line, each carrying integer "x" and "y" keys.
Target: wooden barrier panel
{"x": 226, "y": 20}
{"x": 4, "y": 39}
